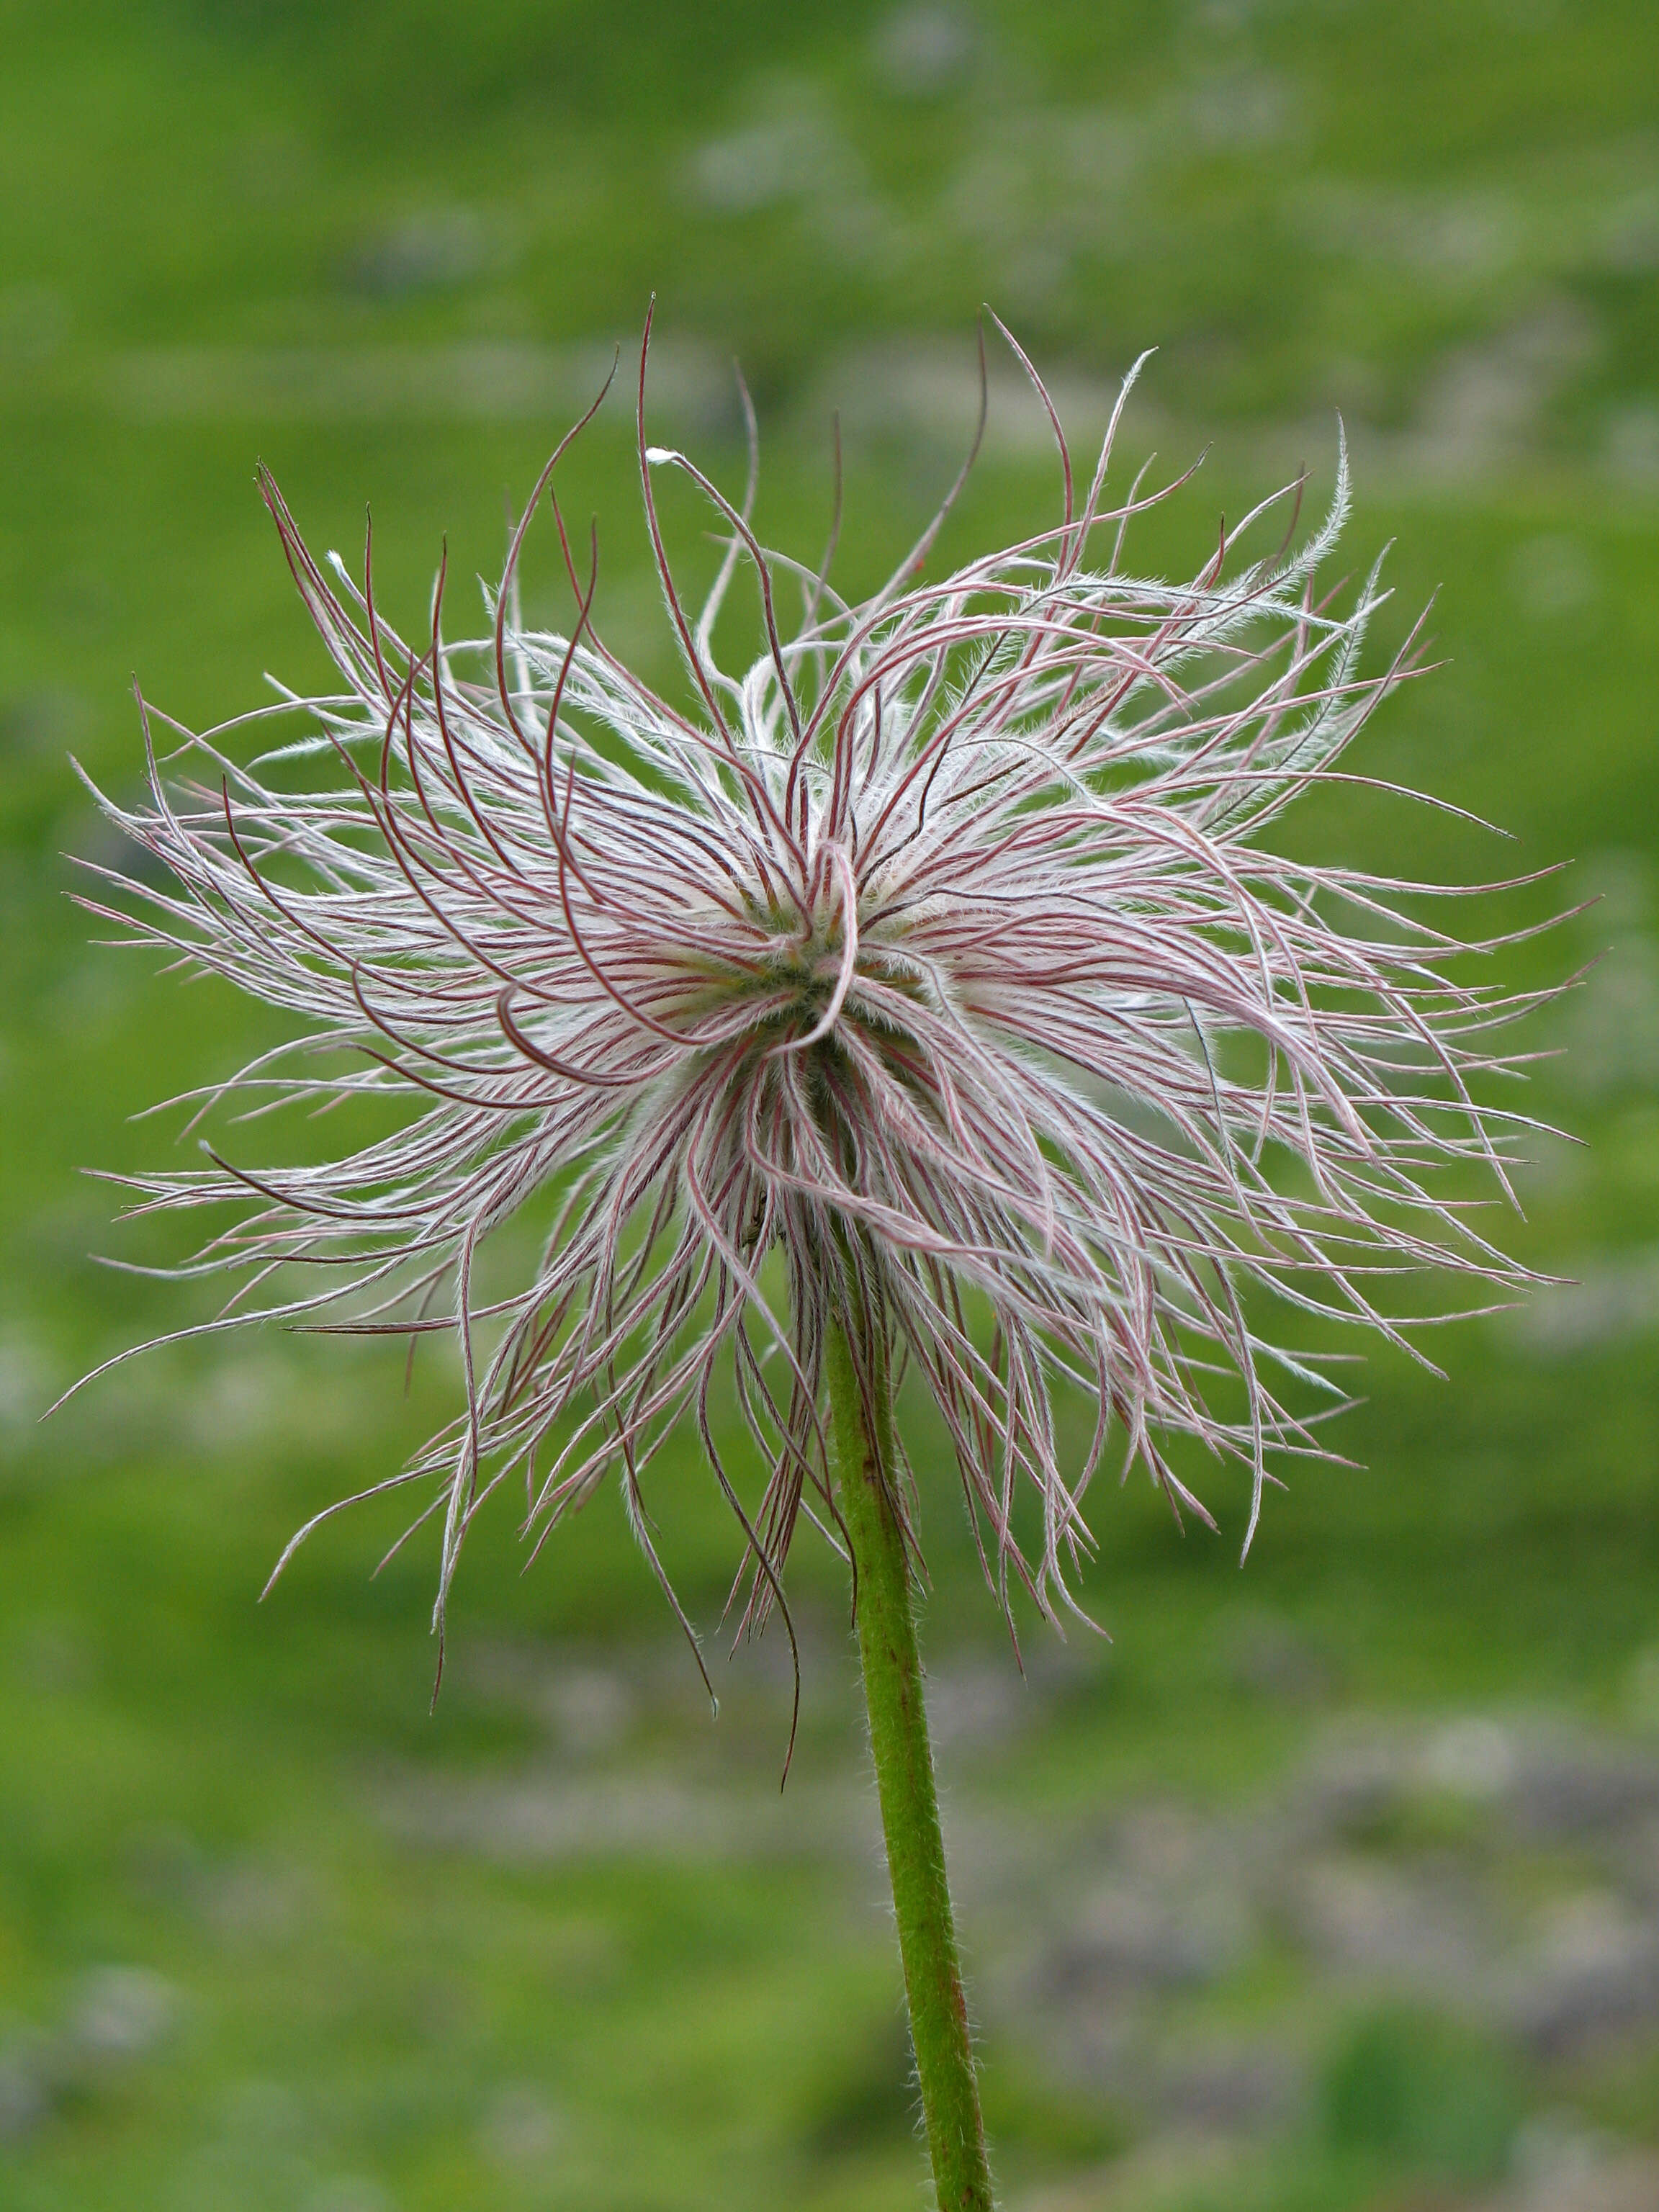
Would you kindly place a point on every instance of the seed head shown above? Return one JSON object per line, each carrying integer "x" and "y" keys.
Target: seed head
{"x": 932, "y": 976}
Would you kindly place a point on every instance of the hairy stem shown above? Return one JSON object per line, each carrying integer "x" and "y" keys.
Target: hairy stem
{"x": 861, "y": 1423}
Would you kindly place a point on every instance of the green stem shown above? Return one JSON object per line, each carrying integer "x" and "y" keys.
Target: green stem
{"x": 904, "y": 1780}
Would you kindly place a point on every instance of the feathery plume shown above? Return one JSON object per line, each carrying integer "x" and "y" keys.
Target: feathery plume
{"x": 935, "y": 968}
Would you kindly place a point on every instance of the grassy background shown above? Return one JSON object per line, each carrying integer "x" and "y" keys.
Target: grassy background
{"x": 265, "y": 1938}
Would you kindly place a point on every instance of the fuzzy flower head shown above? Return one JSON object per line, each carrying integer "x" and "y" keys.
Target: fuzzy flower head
{"x": 932, "y": 978}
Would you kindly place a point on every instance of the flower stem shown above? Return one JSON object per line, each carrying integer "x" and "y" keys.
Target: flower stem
{"x": 862, "y": 1429}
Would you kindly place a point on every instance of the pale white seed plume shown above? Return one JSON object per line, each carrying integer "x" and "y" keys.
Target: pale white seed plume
{"x": 934, "y": 968}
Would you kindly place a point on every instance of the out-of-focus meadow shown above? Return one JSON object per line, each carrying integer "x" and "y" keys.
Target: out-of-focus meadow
{"x": 1330, "y": 1883}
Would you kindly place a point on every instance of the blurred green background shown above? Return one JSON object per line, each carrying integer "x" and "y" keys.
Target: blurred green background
{"x": 1331, "y": 1883}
